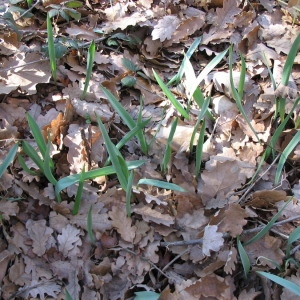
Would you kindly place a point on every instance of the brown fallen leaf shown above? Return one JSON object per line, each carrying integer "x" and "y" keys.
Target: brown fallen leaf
{"x": 266, "y": 199}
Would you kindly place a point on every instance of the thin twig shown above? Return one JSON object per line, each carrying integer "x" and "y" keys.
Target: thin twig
{"x": 28, "y": 10}
{"x": 226, "y": 235}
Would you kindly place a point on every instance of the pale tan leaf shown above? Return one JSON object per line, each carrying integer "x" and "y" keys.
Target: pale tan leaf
{"x": 122, "y": 223}
{"x": 8, "y": 208}
{"x": 232, "y": 259}
{"x": 40, "y": 234}
{"x": 69, "y": 241}
{"x": 165, "y": 27}
{"x": 150, "y": 214}
{"x": 212, "y": 240}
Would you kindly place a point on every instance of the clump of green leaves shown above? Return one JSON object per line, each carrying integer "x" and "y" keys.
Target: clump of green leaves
{"x": 66, "y": 10}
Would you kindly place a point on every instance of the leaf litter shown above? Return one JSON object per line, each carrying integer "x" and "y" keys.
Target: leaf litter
{"x": 179, "y": 245}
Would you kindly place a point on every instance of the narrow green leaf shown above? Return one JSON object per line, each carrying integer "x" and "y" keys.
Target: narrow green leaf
{"x": 200, "y": 118}
{"x": 293, "y": 287}
{"x": 244, "y": 257}
{"x": 237, "y": 97}
{"x": 37, "y": 134}
{"x": 129, "y": 194}
{"x": 146, "y": 295}
{"x": 25, "y": 168}
{"x": 72, "y": 179}
{"x": 242, "y": 78}
{"x": 168, "y": 151}
{"x": 89, "y": 67}
{"x": 68, "y": 296}
{"x": 127, "y": 119}
{"x": 8, "y": 159}
{"x": 32, "y": 153}
{"x": 171, "y": 97}
{"x": 51, "y": 47}
{"x": 129, "y": 135}
{"x": 208, "y": 68}
{"x": 287, "y": 69}
{"x": 47, "y": 169}
{"x": 286, "y": 152}
{"x": 199, "y": 149}
{"x": 116, "y": 158}
{"x": 267, "y": 228}
{"x": 176, "y": 78}
{"x": 79, "y": 193}
{"x": 293, "y": 237}
{"x": 161, "y": 184}
{"x": 90, "y": 226}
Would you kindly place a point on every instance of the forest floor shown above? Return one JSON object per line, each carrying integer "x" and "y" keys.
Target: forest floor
{"x": 200, "y": 243}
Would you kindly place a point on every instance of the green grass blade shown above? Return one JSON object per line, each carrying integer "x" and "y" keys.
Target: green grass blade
{"x": 37, "y": 135}
{"x": 89, "y": 67}
{"x": 47, "y": 169}
{"x": 25, "y": 168}
{"x": 267, "y": 228}
{"x": 208, "y": 68}
{"x": 200, "y": 118}
{"x": 269, "y": 71}
{"x": 281, "y": 127}
{"x": 68, "y": 296}
{"x": 31, "y": 152}
{"x": 129, "y": 135}
{"x": 129, "y": 194}
{"x": 116, "y": 158}
{"x": 244, "y": 257}
{"x": 8, "y": 159}
{"x": 286, "y": 152}
{"x": 293, "y": 237}
{"x": 199, "y": 99}
{"x": 287, "y": 69}
{"x": 199, "y": 149}
{"x": 127, "y": 119}
{"x": 89, "y": 175}
{"x": 171, "y": 97}
{"x": 161, "y": 184}
{"x": 236, "y": 95}
{"x": 90, "y": 226}
{"x": 295, "y": 288}
{"x": 51, "y": 48}
{"x": 242, "y": 78}
{"x": 176, "y": 79}
{"x": 168, "y": 151}
{"x": 79, "y": 193}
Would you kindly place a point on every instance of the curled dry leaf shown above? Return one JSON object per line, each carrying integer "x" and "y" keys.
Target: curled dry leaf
{"x": 266, "y": 199}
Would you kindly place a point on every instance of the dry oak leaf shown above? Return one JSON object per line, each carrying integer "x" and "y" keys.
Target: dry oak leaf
{"x": 8, "y": 208}
{"x": 212, "y": 287}
{"x": 165, "y": 27}
{"x": 41, "y": 288}
{"x": 212, "y": 240}
{"x": 268, "y": 247}
{"x": 69, "y": 241}
{"x": 40, "y": 234}
{"x": 226, "y": 14}
{"x": 150, "y": 214}
{"x": 231, "y": 219}
{"x": 122, "y": 223}
{"x": 231, "y": 261}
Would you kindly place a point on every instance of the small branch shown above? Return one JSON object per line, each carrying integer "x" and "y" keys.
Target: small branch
{"x": 28, "y": 10}
{"x": 226, "y": 235}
